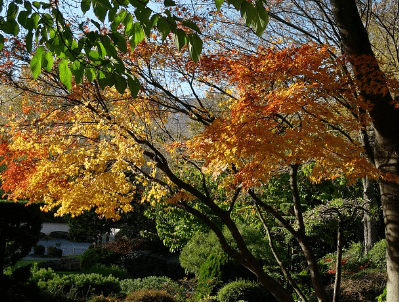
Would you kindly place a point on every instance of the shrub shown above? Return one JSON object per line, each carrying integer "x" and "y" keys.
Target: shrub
{"x": 248, "y": 291}
{"x": 54, "y": 252}
{"x": 103, "y": 298}
{"x": 201, "y": 245}
{"x": 39, "y": 250}
{"x": 150, "y": 295}
{"x": 114, "y": 270}
{"x": 383, "y": 296}
{"x": 20, "y": 227}
{"x": 81, "y": 285}
{"x": 17, "y": 286}
{"x": 377, "y": 255}
{"x": 95, "y": 256}
{"x": 142, "y": 264}
{"x": 152, "y": 282}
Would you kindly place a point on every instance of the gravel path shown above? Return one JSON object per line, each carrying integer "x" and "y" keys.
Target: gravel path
{"x": 68, "y": 247}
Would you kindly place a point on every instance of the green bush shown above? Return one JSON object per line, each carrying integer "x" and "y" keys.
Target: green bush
{"x": 39, "y": 249}
{"x": 114, "y": 270}
{"x": 54, "y": 252}
{"x": 80, "y": 285}
{"x": 201, "y": 245}
{"x": 150, "y": 295}
{"x": 244, "y": 290}
{"x": 152, "y": 282}
{"x": 140, "y": 264}
{"x": 94, "y": 256}
{"x": 20, "y": 227}
{"x": 377, "y": 255}
{"x": 383, "y": 296}
{"x": 103, "y": 298}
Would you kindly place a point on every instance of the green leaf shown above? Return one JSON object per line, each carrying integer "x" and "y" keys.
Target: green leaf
{"x": 138, "y": 35}
{"x": 179, "y": 38}
{"x": 192, "y": 25}
{"x": 142, "y": 13}
{"x": 28, "y": 41}
{"x": 78, "y": 71}
{"x": 85, "y": 5}
{"x": 262, "y": 18}
{"x": 93, "y": 55}
{"x": 65, "y": 74}
{"x": 27, "y": 5}
{"x": 104, "y": 80}
{"x": 35, "y": 19}
{"x": 163, "y": 27}
{"x": 36, "y": 62}
{"x": 101, "y": 50}
{"x": 22, "y": 18}
{"x": 48, "y": 61}
{"x": 169, "y": 3}
{"x": 120, "y": 83}
{"x": 36, "y": 4}
{"x": 100, "y": 11}
{"x": 47, "y": 20}
{"x": 104, "y": 3}
{"x": 96, "y": 24}
{"x": 119, "y": 40}
{"x": 110, "y": 48}
{"x": 12, "y": 11}
{"x": 1, "y": 42}
{"x": 247, "y": 13}
{"x": 128, "y": 22}
{"x": 134, "y": 85}
{"x": 148, "y": 26}
{"x": 236, "y": 3}
{"x": 90, "y": 74}
{"x": 194, "y": 43}
{"x": 218, "y": 4}
{"x": 10, "y": 27}
{"x": 117, "y": 20}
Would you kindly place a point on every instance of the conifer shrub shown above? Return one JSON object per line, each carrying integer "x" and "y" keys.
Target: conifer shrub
{"x": 244, "y": 290}
{"x": 140, "y": 264}
{"x": 54, "y": 252}
{"x": 39, "y": 250}
{"x": 150, "y": 295}
{"x": 94, "y": 256}
{"x": 151, "y": 282}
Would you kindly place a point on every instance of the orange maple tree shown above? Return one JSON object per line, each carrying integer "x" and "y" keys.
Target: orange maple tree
{"x": 93, "y": 148}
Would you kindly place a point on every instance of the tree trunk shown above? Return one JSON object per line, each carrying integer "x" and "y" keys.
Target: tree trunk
{"x": 303, "y": 239}
{"x": 369, "y": 229}
{"x": 385, "y": 119}
{"x": 338, "y": 266}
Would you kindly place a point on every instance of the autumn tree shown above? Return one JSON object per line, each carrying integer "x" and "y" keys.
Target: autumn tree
{"x": 318, "y": 127}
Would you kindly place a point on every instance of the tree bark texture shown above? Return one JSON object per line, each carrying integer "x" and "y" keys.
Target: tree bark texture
{"x": 338, "y": 266}
{"x": 385, "y": 119}
{"x": 303, "y": 239}
{"x": 369, "y": 222}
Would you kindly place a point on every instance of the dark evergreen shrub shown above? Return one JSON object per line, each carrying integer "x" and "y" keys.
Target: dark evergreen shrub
{"x": 140, "y": 264}
{"x": 54, "y": 252}
{"x": 20, "y": 227}
{"x": 219, "y": 268}
{"x": 244, "y": 290}
{"x": 150, "y": 295}
{"x": 95, "y": 256}
{"x": 79, "y": 286}
{"x": 39, "y": 250}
